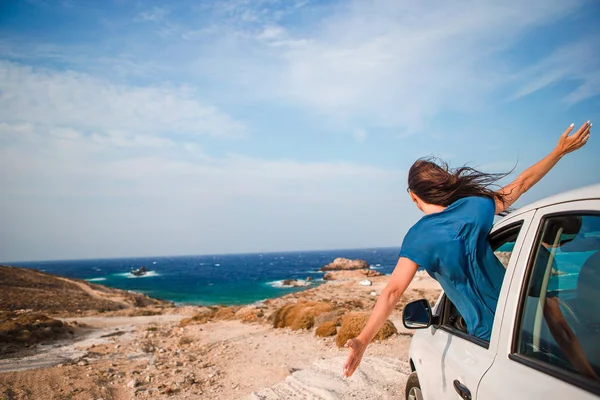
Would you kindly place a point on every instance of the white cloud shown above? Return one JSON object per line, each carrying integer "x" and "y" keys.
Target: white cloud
{"x": 155, "y": 14}
{"x": 382, "y": 64}
{"x": 577, "y": 62}
{"x": 397, "y": 65}
{"x": 53, "y": 163}
{"x": 75, "y": 100}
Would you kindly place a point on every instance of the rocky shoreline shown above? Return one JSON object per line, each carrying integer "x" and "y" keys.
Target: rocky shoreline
{"x": 160, "y": 351}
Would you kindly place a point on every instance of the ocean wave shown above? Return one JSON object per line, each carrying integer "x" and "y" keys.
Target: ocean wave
{"x": 312, "y": 271}
{"x": 148, "y": 274}
{"x": 96, "y": 279}
{"x": 297, "y": 283}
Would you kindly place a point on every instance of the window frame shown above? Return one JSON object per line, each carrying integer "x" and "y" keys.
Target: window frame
{"x": 445, "y": 305}
{"x": 444, "y": 315}
{"x": 554, "y": 371}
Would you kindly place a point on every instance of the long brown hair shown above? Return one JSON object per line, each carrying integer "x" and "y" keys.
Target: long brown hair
{"x": 435, "y": 183}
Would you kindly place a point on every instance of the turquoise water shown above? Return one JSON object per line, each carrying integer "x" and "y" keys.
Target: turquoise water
{"x": 213, "y": 279}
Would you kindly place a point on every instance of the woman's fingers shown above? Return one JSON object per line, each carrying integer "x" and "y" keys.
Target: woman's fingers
{"x": 353, "y": 359}
{"x": 577, "y": 140}
{"x": 348, "y": 362}
{"x": 585, "y": 127}
{"x": 567, "y": 131}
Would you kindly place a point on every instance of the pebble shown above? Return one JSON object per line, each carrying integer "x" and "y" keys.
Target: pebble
{"x": 132, "y": 383}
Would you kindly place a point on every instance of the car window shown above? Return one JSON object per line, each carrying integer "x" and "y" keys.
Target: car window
{"x": 560, "y": 311}
{"x": 502, "y": 242}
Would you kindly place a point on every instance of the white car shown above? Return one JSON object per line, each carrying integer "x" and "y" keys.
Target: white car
{"x": 545, "y": 341}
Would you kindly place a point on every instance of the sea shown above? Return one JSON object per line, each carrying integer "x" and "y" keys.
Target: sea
{"x": 214, "y": 279}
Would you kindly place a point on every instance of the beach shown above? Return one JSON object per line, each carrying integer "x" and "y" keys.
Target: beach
{"x": 186, "y": 352}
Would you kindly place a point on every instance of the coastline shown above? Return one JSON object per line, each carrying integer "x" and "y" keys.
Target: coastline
{"x": 124, "y": 354}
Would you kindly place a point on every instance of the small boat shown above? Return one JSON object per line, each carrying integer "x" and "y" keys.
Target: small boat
{"x": 140, "y": 271}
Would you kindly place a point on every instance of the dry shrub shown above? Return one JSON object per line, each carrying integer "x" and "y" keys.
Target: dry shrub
{"x": 250, "y": 315}
{"x": 328, "y": 328}
{"x": 353, "y": 324}
{"x": 211, "y": 314}
{"x": 300, "y": 315}
{"x": 197, "y": 319}
{"x": 335, "y": 316}
{"x": 226, "y": 313}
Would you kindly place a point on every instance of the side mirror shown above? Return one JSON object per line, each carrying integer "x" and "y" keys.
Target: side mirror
{"x": 417, "y": 315}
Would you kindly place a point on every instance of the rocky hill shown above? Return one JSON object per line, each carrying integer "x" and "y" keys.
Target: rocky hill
{"x": 28, "y": 289}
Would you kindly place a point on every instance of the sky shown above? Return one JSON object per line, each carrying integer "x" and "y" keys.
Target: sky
{"x": 132, "y": 128}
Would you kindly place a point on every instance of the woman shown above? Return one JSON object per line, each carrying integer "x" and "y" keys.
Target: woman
{"x": 450, "y": 241}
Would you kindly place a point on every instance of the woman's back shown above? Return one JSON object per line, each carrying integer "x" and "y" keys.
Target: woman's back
{"x": 452, "y": 247}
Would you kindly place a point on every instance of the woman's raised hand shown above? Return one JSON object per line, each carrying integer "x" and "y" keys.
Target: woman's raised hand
{"x": 357, "y": 349}
{"x": 567, "y": 144}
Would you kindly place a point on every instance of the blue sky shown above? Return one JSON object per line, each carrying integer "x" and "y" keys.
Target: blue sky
{"x": 132, "y": 128}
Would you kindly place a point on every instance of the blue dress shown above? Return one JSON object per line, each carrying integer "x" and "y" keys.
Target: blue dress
{"x": 452, "y": 246}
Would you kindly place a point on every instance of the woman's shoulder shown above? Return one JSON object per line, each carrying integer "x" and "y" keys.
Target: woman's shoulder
{"x": 483, "y": 202}
{"x": 477, "y": 209}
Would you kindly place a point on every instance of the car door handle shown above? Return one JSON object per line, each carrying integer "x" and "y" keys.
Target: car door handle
{"x": 462, "y": 390}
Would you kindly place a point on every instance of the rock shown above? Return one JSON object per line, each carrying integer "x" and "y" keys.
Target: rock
{"x": 353, "y": 323}
{"x": 352, "y": 274}
{"x": 309, "y": 279}
{"x": 345, "y": 264}
{"x": 82, "y": 363}
{"x": 133, "y": 384}
{"x": 328, "y": 328}
{"x": 294, "y": 283}
{"x": 366, "y": 282}
{"x": 373, "y": 293}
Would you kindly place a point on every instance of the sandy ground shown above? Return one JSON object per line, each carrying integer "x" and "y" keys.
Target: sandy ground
{"x": 152, "y": 357}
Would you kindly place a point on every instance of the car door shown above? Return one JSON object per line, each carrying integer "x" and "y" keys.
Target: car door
{"x": 549, "y": 345}
{"x": 455, "y": 361}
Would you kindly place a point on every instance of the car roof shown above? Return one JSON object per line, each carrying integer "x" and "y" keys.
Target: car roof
{"x": 584, "y": 193}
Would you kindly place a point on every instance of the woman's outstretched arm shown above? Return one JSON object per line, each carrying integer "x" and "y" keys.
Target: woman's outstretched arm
{"x": 401, "y": 277}
{"x": 533, "y": 174}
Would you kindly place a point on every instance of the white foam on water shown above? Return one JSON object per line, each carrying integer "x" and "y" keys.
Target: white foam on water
{"x": 129, "y": 275}
{"x": 96, "y": 279}
{"x": 297, "y": 283}
{"x": 217, "y": 265}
